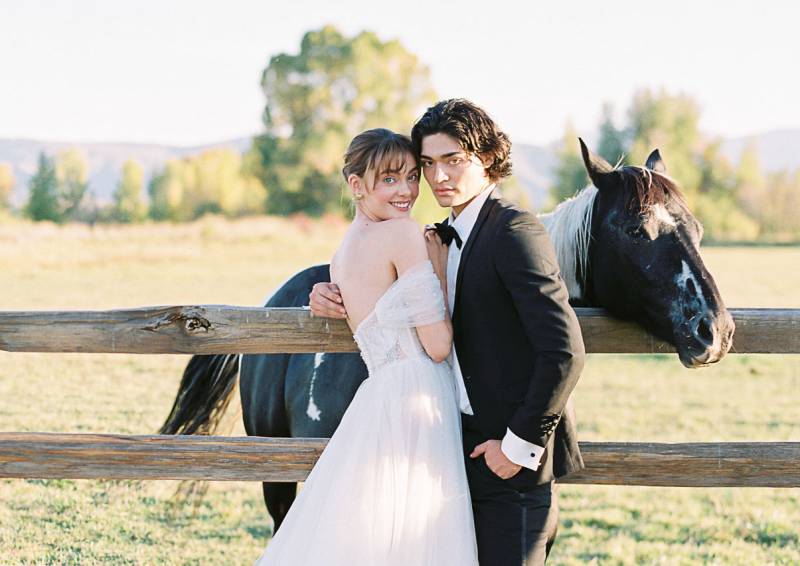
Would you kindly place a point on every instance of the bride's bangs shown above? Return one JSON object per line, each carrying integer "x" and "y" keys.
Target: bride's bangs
{"x": 390, "y": 157}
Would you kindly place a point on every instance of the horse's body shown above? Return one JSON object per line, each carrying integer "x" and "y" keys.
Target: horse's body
{"x": 628, "y": 244}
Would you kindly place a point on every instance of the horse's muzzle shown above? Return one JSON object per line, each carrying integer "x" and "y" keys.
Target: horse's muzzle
{"x": 705, "y": 338}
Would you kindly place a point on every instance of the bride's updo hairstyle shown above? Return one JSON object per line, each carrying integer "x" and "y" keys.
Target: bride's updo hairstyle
{"x": 378, "y": 151}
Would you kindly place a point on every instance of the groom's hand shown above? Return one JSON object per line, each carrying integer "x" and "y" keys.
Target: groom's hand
{"x": 496, "y": 460}
{"x": 325, "y": 301}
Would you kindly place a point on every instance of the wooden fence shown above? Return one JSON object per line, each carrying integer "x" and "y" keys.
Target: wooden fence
{"x": 214, "y": 329}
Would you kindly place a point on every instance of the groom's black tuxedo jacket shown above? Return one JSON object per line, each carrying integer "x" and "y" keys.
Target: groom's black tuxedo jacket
{"x": 518, "y": 341}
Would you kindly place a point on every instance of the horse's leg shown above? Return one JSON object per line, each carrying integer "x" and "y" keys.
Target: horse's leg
{"x": 262, "y": 385}
{"x": 278, "y": 496}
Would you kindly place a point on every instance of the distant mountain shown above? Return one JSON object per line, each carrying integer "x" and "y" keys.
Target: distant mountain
{"x": 778, "y": 149}
{"x": 534, "y": 165}
{"x": 105, "y": 160}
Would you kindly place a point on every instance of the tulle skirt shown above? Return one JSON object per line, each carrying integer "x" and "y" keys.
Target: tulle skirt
{"x": 390, "y": 487}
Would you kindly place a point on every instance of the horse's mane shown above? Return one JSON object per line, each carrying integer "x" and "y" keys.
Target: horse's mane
{"x": 570, "y": 224}
{"x": 570, "y": 229}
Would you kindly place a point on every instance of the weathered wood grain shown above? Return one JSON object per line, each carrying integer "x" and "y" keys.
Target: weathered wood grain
{"x": 219, "y": 329}
{"x": 104, "y": 456}
{"x": 699, "y": 464}
{"x": 107, "y": 456}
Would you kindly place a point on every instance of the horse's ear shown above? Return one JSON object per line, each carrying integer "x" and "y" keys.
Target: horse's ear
{"x": 655, "y": 163}
{"x": 598, "y": 168}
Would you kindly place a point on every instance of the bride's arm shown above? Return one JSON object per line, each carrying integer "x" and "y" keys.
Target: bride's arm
{"x": 412, "y": 248}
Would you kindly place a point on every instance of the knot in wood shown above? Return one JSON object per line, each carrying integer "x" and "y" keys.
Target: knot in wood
{"x": 196, "y": 324}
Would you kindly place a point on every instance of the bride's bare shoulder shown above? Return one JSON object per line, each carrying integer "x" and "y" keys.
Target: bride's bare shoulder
{"x": 393, "y": 234}
{"x": 399, "y": 226}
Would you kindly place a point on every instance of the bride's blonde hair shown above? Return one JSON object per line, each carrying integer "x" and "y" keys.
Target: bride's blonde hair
{"x": 378, "y": 150}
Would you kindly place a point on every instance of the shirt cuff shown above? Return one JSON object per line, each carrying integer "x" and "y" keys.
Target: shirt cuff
{"x": 521, "y": 452}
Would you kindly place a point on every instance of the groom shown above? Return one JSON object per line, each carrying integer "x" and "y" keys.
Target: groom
{"x": 518, "y": 350}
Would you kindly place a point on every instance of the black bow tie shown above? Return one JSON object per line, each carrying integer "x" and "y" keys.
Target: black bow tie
{"x": 447, "y": 233}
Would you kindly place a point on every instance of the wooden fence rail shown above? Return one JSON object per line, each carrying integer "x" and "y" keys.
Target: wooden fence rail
{"x": 217, "y": 329}
{"x": 104, "y": 456}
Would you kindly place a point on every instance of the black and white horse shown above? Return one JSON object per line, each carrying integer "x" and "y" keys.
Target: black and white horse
{"x": 627, "y": 243}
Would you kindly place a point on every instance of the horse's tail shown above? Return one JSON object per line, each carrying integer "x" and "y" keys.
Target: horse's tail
{"x": 204, "y": 393}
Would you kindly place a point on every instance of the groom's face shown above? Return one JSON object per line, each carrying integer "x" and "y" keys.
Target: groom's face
{"x": 455, "y": 177}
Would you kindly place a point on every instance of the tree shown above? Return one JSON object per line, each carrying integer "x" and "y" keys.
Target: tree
{"x": 7, "y": 182}
{"x": 715, "y": 200}
{"x": 751, "y": 185}
{"x": 43, "y": 192}
{"x": 612, "y": 145}
{"x": 129, "y": 205}
{"x": 669, "y": 123}
{"x": 570, "y": 174}
{"x": 72, "y": 173}
{"x": 780, "y": 209}
{"x": 318, "y": 100}
{"x": 217, "y": 180}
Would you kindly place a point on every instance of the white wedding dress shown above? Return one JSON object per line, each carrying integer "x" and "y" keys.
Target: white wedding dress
{"x": 390, "y": 487}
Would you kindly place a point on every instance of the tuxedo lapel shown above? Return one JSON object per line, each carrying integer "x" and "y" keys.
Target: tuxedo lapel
{"x": 468, "y": 245}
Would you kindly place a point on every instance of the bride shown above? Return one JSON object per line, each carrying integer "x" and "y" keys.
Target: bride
{"x": 390, "y": 487}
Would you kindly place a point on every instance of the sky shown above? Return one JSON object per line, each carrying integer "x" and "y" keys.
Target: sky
{"x": 178, "y": 72}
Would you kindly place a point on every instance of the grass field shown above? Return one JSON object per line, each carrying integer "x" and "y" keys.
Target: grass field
{"x": 216, "y": 261}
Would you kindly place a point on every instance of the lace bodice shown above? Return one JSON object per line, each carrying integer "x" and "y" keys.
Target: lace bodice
{"x": 387, "y": 334}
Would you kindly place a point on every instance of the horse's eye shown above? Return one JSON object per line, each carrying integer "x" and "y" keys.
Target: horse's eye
{"x": 636, "y": 232}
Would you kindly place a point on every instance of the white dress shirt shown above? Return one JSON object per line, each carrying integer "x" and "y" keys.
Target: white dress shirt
{"x": 519, "y": 451}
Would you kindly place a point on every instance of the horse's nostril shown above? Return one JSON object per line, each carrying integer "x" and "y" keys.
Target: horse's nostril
{"x": 690, "y": 286}
{"x": 704, "y": 330}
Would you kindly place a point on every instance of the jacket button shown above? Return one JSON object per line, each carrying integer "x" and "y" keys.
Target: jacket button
{"x": 533, "y": 454}
{"x": 466, "y": 377}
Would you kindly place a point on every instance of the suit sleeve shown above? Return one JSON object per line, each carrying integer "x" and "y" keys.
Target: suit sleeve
{"x": 527, "y": 265}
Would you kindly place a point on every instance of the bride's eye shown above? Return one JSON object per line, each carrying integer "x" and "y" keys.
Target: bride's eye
{"x": 388, "y": 180}
{"x": 413, "y": 178}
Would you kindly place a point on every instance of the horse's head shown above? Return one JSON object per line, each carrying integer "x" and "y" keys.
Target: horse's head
{"x": 644, "y": 260}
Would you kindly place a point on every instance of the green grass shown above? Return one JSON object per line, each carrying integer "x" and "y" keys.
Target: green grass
{"x": 619, "y": 398}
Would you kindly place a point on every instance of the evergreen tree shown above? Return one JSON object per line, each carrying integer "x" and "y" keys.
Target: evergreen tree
{"x": 43, "y": 192}
{"x": 612, "y": 145}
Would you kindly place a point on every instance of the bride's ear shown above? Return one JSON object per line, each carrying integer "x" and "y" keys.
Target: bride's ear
{"x": 356, "y": 185}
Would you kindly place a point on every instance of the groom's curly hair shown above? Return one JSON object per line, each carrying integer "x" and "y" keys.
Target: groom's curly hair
{"x": 472, "y": 127}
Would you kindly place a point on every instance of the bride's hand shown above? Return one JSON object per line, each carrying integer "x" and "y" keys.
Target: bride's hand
{"x": 325, "y": 301}
{"x": 437, "y": 252}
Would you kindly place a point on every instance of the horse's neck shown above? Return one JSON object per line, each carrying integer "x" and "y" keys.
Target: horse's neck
{"x": 570, "y": 229}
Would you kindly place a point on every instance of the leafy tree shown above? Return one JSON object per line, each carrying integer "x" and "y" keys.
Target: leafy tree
{"x": 751, "y": 185}
{"x": 217, "y": 180}
{"x": 129, "y": 205}
{"x": 780, "y": 210}
{"x": 570, "y": 175}
{"x": 7, "y": 182}
{"x": 72, "y": 174}
{"x": 318, "y": 100}
{"x": 670, "y": 123}
{"x": 43, "y": 192}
